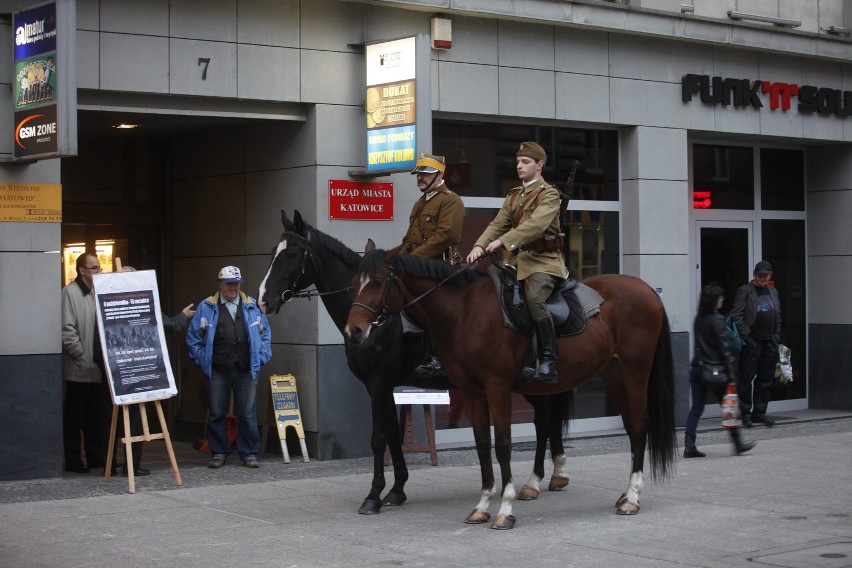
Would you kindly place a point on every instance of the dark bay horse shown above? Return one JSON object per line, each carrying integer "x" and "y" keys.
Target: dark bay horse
{"x": 628, "y": 345}
{"x": 305, "y": 257}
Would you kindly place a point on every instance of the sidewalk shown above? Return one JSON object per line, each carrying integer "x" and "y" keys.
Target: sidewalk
{"x": 786, "y": 503}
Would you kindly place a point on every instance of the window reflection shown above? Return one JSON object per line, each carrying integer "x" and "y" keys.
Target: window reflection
{"x": 724, "y": 177}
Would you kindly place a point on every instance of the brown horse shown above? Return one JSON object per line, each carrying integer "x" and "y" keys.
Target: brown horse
{"x": 627, "y": 344}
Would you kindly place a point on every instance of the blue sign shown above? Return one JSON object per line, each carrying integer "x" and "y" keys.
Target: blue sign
{"x": 35, "y": 31}
{"x": 391, "y": 148}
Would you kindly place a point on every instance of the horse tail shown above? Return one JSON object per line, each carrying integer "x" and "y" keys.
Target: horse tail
{"x": 565, "y": 403}
{"x": 661, "y": 399}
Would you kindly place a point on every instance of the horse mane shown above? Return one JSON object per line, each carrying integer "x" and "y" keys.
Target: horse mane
{"x": 435, "y": 270}
{"x": 334, "y": 246}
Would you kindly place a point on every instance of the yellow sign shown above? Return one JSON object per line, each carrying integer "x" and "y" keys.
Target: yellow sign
{"x": 31, "y": 202}
{"x": 285, "y": 403}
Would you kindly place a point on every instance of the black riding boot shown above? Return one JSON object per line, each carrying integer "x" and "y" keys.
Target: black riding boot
{"x": 689, "y": 450}
{"x": 432, "y": 367}
{"x": 547, "y": 354}
{"x": 739, "y": 446}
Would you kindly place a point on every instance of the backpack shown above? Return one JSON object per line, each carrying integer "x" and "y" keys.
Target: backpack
{"x": 735, "y": 342}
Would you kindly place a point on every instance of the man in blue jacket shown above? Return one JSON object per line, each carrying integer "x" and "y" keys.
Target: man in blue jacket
{"x": 229, "y": 339}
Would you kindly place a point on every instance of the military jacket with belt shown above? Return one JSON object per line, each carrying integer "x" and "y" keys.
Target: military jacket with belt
{"x": 435, "y": 224}
{"x": 539, "y": 216}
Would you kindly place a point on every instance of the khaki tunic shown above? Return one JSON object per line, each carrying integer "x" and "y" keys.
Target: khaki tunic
{"x": 435, "y": 225}
{"x": 539, "y": 218}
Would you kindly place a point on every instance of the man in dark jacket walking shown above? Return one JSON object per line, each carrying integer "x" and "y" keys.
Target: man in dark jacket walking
{"x": 757, "y": 315}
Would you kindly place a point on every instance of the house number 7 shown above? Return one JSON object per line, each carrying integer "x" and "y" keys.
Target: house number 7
{"x": 206, "y": 62}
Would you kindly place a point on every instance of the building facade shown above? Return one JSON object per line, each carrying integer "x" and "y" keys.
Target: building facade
{"x": 707, "y": 135}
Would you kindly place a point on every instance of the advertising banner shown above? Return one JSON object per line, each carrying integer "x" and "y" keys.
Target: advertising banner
{"x": 391, "y": 105}
{"x": 131, "y": 332}
{"x": 44, "y": 89}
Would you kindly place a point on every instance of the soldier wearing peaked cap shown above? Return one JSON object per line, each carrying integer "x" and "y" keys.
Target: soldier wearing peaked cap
{"x": 434, "y": 228}
{"x": 528, "y": 226}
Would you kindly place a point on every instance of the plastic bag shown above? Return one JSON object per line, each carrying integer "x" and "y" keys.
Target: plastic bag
{"x": 784, "y": 368}
{"x": 731, "y": 407}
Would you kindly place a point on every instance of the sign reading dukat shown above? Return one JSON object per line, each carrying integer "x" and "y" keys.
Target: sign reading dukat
{"x": 360, "y": 200}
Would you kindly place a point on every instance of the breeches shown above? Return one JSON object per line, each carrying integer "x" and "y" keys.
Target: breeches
{"x": 538, "y": 287}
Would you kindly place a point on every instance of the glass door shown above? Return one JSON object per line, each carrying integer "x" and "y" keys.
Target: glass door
{"x": 725, "y": 256}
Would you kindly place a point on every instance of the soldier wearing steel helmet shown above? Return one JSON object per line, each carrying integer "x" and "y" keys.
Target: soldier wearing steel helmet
{"x": 434, "y": 229}
{"x": 528, "y": 227}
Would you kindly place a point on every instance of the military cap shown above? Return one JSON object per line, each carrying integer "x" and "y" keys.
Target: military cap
{"x": 532, "y": 150}
{"x": 429, "y": 164}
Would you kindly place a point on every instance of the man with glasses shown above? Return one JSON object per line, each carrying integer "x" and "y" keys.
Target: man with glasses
{"x": 757, "y": 315}
{"x": 88, "y": 404}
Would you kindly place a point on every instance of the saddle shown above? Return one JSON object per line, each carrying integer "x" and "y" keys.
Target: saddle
{"x": 570, "y": 304}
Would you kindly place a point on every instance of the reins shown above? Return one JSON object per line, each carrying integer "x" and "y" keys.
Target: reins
{"x": 383, "y": 315}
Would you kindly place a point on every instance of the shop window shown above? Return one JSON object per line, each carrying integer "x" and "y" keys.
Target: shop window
{"x": 723, "y": 177}
{"x": 782, "y": 179}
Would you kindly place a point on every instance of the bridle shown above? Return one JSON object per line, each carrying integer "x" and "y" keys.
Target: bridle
{"x": 293, "y": 291}
{"x": 384, "y": 314}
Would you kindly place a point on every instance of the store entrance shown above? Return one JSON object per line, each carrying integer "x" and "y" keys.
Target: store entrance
{"x": 725, "y": 255}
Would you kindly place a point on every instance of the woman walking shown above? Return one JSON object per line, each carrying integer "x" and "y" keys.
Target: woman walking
{"x": 711, "y": 346}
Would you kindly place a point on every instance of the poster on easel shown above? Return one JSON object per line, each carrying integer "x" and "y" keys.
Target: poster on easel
{"x": 131, "y": 332}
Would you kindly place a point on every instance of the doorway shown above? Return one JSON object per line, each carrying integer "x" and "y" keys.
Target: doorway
{"x": 725, "y": 253}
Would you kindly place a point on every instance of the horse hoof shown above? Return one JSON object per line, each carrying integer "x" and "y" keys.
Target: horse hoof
{"x": 477, "y": 518}
{"x": 528, "y": 493}
{"x": 394, "y": 499}
{"x": 558, "y": 483}
{"x": 627, "y": 508}
{"x": 370, "y": 507}
{"x": 502, "y": 523}
{"x": 621, "y": 500}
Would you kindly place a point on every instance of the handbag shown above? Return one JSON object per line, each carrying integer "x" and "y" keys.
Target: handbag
{"x": 714, "y": 374}
{"x": 735, "y": 342}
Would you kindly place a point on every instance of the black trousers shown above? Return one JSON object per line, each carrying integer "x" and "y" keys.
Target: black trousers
{"x": 88, "y": 408}
{"x": 757, "y": 375}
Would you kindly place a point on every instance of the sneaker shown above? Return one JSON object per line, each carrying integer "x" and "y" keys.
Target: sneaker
{"x": 251, "y": 462}
{"x": 216, "y": 462}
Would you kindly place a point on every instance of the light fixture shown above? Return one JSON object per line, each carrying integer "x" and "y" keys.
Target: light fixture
{"x": 786, "y": 22}
{"x": 687, "y": 9}
{"x": 124, "y": 126}
{"x": 837, "y": 30}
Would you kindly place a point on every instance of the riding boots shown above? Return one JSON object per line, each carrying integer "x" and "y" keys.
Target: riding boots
{"x": 432, "y": 367}
{"x": 740, "y": 446}
{"x": 548, "y": 359}
{"x": 689, "y": 450}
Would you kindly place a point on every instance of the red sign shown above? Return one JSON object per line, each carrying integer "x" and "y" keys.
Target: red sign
{"x": 360, "y": 200}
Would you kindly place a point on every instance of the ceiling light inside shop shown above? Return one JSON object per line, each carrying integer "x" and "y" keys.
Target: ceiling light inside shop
{"x": 124, "y": 126}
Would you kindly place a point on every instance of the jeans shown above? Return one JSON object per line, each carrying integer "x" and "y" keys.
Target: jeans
{"x": 757, "y": 375}
{"x": 699, "y": 391}
{"x": 222, "y": 382}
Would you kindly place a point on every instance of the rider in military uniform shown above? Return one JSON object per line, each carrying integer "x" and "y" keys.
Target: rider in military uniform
{"x": 528, "y": 227}
{"x": 434, "y": 229}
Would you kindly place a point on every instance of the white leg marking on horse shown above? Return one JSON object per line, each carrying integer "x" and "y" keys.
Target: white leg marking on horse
{"x": 534, "y": 482}
{"x": 484, "y": 499}
{"x": 634, "y": 488}
{"x": 559, "y": 466}
{"x": 506, "y": 501}
{"x": 262, "y": 291}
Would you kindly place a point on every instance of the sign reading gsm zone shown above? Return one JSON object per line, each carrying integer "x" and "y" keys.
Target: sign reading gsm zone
{"x": 745, "y": 92}
{"x": 36, "y": 131}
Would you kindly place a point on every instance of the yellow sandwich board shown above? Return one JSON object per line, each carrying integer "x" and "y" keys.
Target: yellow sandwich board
{"x": 285, "y": 403}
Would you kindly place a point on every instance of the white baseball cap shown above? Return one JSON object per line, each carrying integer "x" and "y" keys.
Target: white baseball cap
{"x": 230, "y": 274}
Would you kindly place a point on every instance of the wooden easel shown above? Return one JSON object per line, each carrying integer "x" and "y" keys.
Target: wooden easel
{"x": 408, "y": 444}
{"x": 146, "y": 436}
